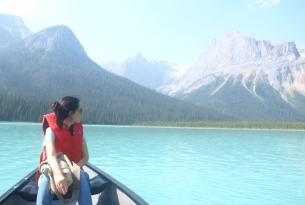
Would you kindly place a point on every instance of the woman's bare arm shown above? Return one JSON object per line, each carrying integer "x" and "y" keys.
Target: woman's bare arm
{"x": 85, "y": 154}
{"x": 51, "y": 154}
{"x": 60, "y": 181}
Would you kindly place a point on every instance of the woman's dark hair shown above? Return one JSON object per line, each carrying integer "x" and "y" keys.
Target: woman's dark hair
{"x": 62, "y": 108}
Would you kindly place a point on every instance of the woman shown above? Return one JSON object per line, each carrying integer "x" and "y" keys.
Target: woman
{"x": 63, "y": 132}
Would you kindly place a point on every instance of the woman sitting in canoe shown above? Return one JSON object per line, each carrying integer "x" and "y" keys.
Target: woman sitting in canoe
{"x": 63, "y": 132}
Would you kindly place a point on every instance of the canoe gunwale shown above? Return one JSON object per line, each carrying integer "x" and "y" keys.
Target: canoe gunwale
{"x": 136, "y": 198}
{"x": 20, "y": 183}
{"x": 132, "y": 195}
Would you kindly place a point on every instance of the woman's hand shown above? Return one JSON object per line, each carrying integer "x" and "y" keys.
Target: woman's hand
{"x": 61, "y": 183}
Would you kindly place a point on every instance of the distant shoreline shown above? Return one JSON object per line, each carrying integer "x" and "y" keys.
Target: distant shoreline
{"x": 223, "y": 128}
{"x": 226, "y": 125}
{"x": 235, "y": 125}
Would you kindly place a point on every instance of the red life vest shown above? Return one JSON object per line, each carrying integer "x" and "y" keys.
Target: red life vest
{"x": 71, "y": 145}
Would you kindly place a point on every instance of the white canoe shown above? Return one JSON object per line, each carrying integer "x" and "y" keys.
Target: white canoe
{"x": 104, "y": 189}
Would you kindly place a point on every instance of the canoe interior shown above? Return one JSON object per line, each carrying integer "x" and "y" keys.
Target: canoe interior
{"x": 105, "y": 190}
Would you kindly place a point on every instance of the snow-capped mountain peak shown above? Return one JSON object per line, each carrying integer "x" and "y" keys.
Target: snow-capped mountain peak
{"x": 236, "y": 58}
{"x": 301, "y": 50}
{"x": 236, "y": 48}
{"x": 137, "y": 58}
{"x": 151, "y": 74}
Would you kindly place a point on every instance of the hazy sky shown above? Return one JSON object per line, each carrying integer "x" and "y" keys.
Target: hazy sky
{"x": 174, "y": 30}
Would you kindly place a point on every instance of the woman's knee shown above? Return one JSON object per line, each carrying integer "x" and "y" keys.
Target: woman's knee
{"x": 84, "y": 175}
{"x": 44, "y": 195}
{"x": 43, "y": 180}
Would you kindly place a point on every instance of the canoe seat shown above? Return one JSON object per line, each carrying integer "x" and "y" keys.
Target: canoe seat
{"x": 29, "y": 191}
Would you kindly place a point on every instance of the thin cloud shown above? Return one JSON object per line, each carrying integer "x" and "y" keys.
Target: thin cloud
{"x": 264, "y": 3}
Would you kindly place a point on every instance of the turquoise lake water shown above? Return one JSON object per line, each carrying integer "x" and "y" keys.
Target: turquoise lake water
{"x": 172, "y": 166}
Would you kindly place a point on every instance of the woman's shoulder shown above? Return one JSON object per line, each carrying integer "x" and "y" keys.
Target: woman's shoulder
{"x": 49, "y": 130}
{"x": 49, "y": 133}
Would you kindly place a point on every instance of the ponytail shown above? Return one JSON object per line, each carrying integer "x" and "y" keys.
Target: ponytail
{"x": 60, "y": 111}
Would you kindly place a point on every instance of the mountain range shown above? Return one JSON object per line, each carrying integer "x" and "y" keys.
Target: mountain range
{"x": 37, "y": 68}
{"x": 246, "y": 78}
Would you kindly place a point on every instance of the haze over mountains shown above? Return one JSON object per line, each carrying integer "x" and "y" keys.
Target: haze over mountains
{"x": 237, "y": 77}
{"x": 247, "y": 78}
{"x": 146, "y": 73}
{"x": 149, "y": 74}
{"x": 11, "y": 29}
{"x": 38, "y": 68}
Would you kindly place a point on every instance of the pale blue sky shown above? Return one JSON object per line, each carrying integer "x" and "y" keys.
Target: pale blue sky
{"x": 173, "y": 30}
